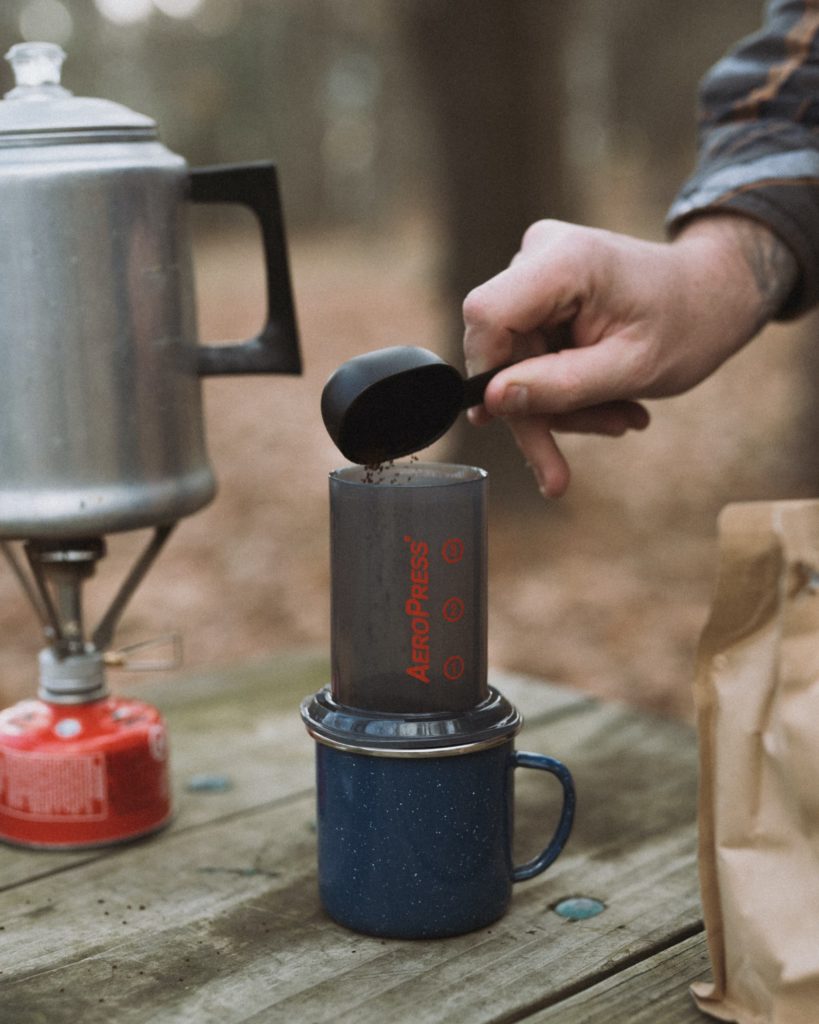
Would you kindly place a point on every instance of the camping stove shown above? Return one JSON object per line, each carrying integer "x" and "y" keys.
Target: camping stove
{"x": 101, "y": 424}
{"x": 80, "y": 767}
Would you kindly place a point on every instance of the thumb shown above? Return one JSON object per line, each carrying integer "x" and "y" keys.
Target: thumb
{"x": 565, "y": 381}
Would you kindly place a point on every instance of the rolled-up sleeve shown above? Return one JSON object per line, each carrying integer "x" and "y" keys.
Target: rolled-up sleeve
{"x": 759, "y": 139}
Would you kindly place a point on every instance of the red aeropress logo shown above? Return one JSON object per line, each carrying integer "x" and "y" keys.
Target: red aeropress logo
{"x": 416, "y": 607}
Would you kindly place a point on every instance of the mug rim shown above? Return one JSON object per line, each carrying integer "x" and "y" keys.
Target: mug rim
{"x": 429, "y": 734}
{"x": 415, "y": 752}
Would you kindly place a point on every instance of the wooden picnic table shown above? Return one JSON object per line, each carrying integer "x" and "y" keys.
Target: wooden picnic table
{"x": 217, "y": 918}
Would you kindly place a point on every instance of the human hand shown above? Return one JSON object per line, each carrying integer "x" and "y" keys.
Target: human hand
{"x": 644, "y": 320}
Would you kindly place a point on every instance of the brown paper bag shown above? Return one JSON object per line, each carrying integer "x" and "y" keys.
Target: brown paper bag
{"x": 757, "y": 695}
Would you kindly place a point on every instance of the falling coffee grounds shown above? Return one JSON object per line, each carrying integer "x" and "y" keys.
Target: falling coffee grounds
{"x": 384, "y": 472}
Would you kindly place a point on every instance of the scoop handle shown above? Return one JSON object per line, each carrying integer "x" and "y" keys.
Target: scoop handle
{"x": 556, "y": 338}
{"x": 474, "y": 387}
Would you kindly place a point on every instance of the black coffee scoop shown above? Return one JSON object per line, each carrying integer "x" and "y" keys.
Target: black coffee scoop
{"x": 392, "y": 402}
{"x": 395, "y": 401}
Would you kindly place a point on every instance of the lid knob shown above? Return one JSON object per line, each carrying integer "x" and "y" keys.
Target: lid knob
{"x": 36, "y": 69}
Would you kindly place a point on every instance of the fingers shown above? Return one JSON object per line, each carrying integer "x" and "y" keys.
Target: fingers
{"x": 478, "y": 416}
{"x": 485, "y": 348}
{"x": 568, "y": 381}
{"x": 535, "y": 437}
{"x": 543, "y": 287}
{"x": 539, "y": 448}
{"x": 612, "y": 419}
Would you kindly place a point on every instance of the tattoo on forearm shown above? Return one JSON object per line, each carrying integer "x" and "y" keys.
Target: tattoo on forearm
{"x": 772, "y": 264}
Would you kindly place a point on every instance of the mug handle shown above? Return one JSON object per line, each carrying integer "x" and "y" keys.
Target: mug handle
{"x": 524, "y": 759}
{"x": 276, "y": 348}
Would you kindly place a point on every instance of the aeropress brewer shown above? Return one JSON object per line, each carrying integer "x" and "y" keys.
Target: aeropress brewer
{"x": 101, "y": 424}
{"x": 414, "y": 750}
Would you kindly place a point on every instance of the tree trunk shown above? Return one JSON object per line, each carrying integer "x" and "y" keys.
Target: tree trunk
{"x": 491, "y": 78}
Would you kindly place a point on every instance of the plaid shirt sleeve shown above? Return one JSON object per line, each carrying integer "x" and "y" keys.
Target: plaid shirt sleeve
{"x": 759, "y": 139}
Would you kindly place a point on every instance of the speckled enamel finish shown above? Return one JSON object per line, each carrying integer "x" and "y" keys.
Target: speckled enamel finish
{"x": 420, "y": 847}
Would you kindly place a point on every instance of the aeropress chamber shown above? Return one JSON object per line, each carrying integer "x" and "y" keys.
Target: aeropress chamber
{"x": 414, "y": 750}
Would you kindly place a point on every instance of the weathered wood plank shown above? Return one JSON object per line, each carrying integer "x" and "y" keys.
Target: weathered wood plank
{"x": 654, "y": 991}
{"x": 221, "y": 922}
{"x": 219, "y": 723}
{"x": 244, "y": 723}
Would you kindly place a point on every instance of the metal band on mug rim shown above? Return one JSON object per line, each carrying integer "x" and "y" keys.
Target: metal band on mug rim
{"x": 438, "y": 734}
{"x": 411, "y": 752}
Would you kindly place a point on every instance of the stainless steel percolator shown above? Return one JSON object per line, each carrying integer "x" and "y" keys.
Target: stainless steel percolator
{"x": 100, "y": 410}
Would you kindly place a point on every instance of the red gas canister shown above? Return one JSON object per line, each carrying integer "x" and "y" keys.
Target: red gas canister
{"x": 82, "y": 775}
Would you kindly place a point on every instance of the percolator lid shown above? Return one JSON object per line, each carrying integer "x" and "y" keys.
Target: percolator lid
{"x": 40, "y": 110}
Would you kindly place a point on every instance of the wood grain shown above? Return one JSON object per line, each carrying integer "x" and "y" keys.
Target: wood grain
{"x": 217, "y": 919}
{"x": 655, "y": 991}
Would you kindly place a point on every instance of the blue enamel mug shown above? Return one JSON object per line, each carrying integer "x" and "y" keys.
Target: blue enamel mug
{"x": 415, "y": 817}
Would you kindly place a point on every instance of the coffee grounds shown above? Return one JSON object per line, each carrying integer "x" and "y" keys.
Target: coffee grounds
{"x": 384, "y": 472}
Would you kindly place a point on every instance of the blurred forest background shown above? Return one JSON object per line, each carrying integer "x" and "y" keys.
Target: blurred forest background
{"x": 416, "y": 140}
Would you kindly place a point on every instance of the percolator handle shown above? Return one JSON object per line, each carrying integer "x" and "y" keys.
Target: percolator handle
{"x": 276, "y": 348}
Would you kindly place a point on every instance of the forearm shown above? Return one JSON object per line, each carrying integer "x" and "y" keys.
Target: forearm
{"x": 759, "y": 152}
{"x": 756, "y": 271}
